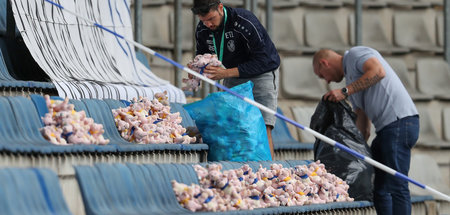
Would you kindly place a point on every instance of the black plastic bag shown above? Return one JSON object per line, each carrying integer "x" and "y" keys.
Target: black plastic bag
{"x": 337, "y": 121}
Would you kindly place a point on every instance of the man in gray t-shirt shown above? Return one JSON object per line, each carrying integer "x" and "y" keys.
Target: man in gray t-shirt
{"x": 378, "y": 97}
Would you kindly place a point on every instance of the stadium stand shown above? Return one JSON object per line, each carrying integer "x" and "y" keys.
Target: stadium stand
{"x": 433, "y": 76}
{"x": 303, "y": 115}
{"x": 286, "y": 147}
{"x": 187, "y": 28}
{"x": 399, "y": 66}
{"x": 436, "y": 3}
{"x": 2, "y": 18}
{"x": 288, "y": 34}
{"x": 409, "y": 3}
{"x": 147, "y": 187}
{"x": 142, "y": 58}
{"x": 150, "y": 183}
{"x": 136, "y": 179}
{"x": 282, "y": 3}
{"x": 187, "y": 120}
{"x": 26, "y": 138}
{"x": 377, "y": 31}
{"x": 428, "y": 136}
{"x": 31, "y": 191}
{"x": 297, "y": 79}
{"x": 101, "y": 113}
{"x": 440, "y": 29}
{"x": 156, "y": 17}
{"x": 416, "y": 29}
{"x": 446, "y": 123}
{"x": 7, "y": 81}
{"x": 373, "y": 3}
{"x": 327, "y": 28}
{"x": 153, "y": 2}
{"x": 427, "y": 171}
{"x": 322, "y": 3}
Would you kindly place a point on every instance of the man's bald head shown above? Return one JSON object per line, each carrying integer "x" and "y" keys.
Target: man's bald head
{"x": 327, "y": 65}
{"x": 323, "y": 54}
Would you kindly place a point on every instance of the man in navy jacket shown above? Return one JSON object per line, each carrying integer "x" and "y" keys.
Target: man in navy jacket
{"x": 245, "y": 49}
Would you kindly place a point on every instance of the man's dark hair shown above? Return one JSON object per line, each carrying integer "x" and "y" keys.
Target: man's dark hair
{"x": 202, "y": 7}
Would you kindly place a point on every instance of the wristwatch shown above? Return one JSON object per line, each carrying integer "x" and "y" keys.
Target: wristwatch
{"x": 345, "y": 91}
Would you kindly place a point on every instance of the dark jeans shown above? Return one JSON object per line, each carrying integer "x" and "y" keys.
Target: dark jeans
{"x": 392, "y": 147}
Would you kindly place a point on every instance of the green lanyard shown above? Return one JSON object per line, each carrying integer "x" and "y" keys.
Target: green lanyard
{"x": 223, "y": 37}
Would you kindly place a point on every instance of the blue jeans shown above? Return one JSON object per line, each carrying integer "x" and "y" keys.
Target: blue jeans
{"x": 392, "y": 147}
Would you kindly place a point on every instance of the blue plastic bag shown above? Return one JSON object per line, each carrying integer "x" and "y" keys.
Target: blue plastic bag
{"x": 233, "y": 129}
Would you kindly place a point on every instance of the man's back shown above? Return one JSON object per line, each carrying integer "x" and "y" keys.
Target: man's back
{"x": 383, "y": 102}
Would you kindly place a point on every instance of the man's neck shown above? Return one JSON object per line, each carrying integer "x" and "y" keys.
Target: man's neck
{"x": 340, "y": 62}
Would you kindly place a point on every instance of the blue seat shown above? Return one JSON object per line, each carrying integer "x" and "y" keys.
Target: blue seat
{"x": 40, "y": 104}
{"x": 294, "y": 163}
{"x": 143, "y": 59}
{"x": 188, "y": 173}
{"x": 93, "y": 190}
{"x": 114, "y": 104}
{"x": 415, "y": 199}
{"x": 125, "y": 102}
{"x": 120, "y": 187}
{"x": 41, "y": 107}
{"x": 146, "y": 189}
{"x": 187, "y": 120}
{"x": 4, "y": 74}
{"x": 174, "y": 107}
{"x": 79, "y": 106}
{"x": 3, "y": 17}
{"x": 27, "y": 134}
{"x": 9, "y": 130}
{"x": 282, "y": 138}
{"x": 31, "y": 191}
{"x": 54, "y": 192}
{"x": 125, "y": 189}
{"x": 144, "y": 193}
{"x": 101, "y": 113}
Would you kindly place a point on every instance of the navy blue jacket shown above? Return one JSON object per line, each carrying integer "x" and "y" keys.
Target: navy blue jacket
{"x": 247, "y": 44}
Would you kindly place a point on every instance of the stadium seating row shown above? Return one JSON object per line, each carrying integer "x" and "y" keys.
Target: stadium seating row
{"x": 305, "y": 30}
{"x": 321, "y": 3}
{"x": 432, "y": 77}
{"x": 388, "y": 30}
{"x": 429, "y": 136}
{"x": 7, "y": 81}
{"x": 22, "y": 120}
{"x": 137, "y": 189}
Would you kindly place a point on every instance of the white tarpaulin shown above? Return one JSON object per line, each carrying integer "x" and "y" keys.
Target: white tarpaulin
{"x": 83, "y": 60}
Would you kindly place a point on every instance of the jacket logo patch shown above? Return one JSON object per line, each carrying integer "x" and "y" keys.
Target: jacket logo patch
{"x": 230, "y": 46}
{"x": 229, "y": 35}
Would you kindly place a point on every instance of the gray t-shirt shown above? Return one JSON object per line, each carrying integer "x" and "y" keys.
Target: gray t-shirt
{"x": 384, "y": 102}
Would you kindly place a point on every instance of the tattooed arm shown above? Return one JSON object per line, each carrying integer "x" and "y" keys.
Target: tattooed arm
{"x": 373, "y": 73}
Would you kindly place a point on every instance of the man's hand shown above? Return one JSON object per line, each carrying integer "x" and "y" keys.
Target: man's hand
{"x": 334, "y": 95}
{"x": 217, "y": 73}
